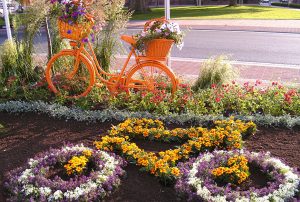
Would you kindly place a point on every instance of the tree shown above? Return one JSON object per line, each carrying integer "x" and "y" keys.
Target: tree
{"x": 232, "y": 2}
{"x": 139, "y": 5}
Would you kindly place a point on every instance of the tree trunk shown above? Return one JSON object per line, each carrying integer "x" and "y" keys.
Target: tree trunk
{"x": 141, "y": 6}
{"x": 232, "y": 2}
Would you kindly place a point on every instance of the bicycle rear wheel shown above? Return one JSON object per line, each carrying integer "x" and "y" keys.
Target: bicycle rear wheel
{"x": 68, "y": 78}
{"x": 151, "y": 76}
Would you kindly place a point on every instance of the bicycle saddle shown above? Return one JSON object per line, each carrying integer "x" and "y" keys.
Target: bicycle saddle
{"x": 128, "y": 39}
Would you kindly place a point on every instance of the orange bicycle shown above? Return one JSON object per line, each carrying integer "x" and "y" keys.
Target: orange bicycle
{"x": 73, "y": 72}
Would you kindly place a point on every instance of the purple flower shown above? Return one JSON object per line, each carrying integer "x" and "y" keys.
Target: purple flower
{"x": 85, "y": 40}
{"x": 69, "y": 32}
{"x": 54, "y": 157}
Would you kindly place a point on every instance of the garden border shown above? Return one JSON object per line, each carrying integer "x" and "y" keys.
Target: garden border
{"x": 60, "y": 111}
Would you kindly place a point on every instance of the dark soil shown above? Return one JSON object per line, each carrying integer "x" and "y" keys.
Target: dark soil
{"x": 257, "y": 178}
{"x": 28, "y": 134}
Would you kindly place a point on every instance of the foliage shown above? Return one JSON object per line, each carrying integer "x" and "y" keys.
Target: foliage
{"x": 158, "y": 101}
{"x": 75, "y": 113}
{"x": 228, "y": 135}
{"x": 107, "y": 42}
{"x": 285, "y": 5}
{"x": 215, "y": 71}
{"x": 30, "y": 22}
{"x": 159, "y": 30}
{"x": 8, "y": 60}
{"x": 3, "y": 129}
{"x": 140, "y": 6}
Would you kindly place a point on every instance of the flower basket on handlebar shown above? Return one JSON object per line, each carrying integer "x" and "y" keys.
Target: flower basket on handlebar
{"x": 158, "y": 48}
{"x": 74, "y": 31}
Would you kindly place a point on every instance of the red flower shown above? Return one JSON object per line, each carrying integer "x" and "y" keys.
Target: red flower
{"x": 213, "y": 86}
{"x": 218, "y": 99}
{"x": 287, "y": 98}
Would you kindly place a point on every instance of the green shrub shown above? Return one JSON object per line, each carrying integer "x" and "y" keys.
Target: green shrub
{"x": 279, "y": 4}
{"x": 285, "y": 5}
{"x": 216, "y": 71}
{"x": 294, "y": 5}
{"x": 8, "y": 57}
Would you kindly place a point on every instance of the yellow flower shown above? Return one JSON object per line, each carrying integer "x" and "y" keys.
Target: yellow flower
{"x": 175, "y": 171}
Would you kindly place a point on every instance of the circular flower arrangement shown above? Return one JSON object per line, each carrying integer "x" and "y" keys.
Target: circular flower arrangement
{"x": 227, "y": 134}
{"x": 200, "y": 178}
{"x": 72, "y": 173}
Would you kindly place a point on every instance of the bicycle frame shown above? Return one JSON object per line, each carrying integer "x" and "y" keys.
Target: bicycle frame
{"x": 91, "y": 57}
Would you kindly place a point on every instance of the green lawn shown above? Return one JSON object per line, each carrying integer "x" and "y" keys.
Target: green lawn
{"x": 222, "y": 12}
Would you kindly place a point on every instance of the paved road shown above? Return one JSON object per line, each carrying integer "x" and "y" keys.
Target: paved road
{"x": 263, "y": 47}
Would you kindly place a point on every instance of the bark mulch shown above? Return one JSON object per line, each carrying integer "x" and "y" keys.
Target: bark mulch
{"x": 28, "y": 134}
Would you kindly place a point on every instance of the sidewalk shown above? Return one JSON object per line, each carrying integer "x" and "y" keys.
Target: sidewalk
{"x": 286, "y": 26}
{"x": 190, "y": 68}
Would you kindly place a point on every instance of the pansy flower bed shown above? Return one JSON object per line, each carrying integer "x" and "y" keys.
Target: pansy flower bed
{"x": 72, "y": 173}
{"x": 280, "y": 182}
{"x": 226, "y": 135}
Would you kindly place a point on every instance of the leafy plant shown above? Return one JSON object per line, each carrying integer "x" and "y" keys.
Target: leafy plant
{"x": 107, "y": 42}
{"x": 8, "y": 57}
{"x": 215, "y": 71}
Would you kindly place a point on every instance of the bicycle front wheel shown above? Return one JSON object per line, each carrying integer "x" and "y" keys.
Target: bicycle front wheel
{"x": 70, "y": 76}
{"x": 151, "y": 76}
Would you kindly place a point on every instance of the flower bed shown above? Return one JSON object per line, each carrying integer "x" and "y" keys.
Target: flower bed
{"x": 198, "y": 179}
{"x": 59, "y": 111}
{"x": 89, "y": 175}
{"x": 225, "y": 135}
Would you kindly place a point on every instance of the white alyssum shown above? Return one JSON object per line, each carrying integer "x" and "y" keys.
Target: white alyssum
{"x": 83, "y": 189}
{"x": 59, "y": 111}
{"x": 285, "y": 191}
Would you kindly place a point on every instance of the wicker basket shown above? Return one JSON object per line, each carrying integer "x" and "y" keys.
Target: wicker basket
{"x": 158, "y": 48}
{"x": 74, "y": 32}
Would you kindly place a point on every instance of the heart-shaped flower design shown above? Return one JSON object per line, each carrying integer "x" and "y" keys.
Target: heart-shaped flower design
{"x": 226, "y": 135}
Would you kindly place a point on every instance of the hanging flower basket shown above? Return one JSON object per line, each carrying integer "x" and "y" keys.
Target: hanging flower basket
{"x": 158, "y": 47}
{"x": 75, "y": 32}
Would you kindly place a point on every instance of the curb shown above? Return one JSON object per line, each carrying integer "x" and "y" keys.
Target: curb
{"x": 233, "y": 28}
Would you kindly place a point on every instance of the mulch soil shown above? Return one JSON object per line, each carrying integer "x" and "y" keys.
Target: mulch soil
{"x": 28, "y": 134}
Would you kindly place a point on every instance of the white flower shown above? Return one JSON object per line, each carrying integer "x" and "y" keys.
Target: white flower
{"x": 285, "y": 190}
{"x": 46, "y": 191}
{"x": 58, "y": 194}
